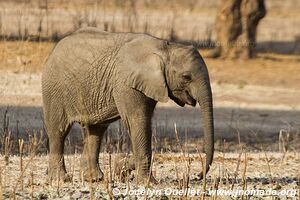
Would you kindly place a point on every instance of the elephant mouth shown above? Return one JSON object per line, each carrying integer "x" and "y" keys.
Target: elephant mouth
{"x": 184, "y": 98}
{"x": 190, "y": 100}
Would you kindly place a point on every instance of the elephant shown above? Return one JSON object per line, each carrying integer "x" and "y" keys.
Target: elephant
{"x": 94, "y": 78}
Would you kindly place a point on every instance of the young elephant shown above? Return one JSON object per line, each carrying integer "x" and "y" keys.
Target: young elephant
{"x": 95, "y": 78}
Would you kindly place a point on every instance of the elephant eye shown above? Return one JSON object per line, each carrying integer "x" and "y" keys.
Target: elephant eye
{"x": 186, "y": 77}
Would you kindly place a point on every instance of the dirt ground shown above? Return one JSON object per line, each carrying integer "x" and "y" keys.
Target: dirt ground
{"x": 259, "y": 171}
{"x": 270, "y": 79}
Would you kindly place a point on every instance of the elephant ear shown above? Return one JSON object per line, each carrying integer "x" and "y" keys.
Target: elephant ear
{"x": 141, "y": 66}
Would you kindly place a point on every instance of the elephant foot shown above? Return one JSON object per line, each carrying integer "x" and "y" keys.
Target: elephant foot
{"x": 123, "y": 166}
{"x": 146, "y": 179}
{"x": 90, "y": 170}
{"x": 59, "y": 175}
{"x": 153, "y": 180}
{"x": 93, "y": 175}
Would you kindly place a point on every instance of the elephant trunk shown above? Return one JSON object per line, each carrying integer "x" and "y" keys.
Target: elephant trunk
{"x": 204, "y": 97}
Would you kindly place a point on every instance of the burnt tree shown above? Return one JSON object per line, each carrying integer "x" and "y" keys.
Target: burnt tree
{"x": 235, "y": 27}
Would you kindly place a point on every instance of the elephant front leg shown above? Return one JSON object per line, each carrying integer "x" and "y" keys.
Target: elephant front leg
{"x": 90, "y": 156}
{"x": 136, "y": 111}
{"x": 142, "y": 154}
{"x": 140, "y": 133}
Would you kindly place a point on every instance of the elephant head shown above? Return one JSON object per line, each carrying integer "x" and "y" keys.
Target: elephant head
{"x": 163, "y": 71}
{"x": 188, "y": 83}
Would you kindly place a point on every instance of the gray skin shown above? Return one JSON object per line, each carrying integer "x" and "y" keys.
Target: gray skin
{"x": 94, "y": 78}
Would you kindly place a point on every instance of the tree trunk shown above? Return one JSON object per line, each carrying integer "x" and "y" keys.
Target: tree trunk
{"x": 235, "y": 26}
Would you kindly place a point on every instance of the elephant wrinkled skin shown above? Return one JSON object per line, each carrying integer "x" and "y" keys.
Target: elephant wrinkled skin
{"x": 94, "y": 78}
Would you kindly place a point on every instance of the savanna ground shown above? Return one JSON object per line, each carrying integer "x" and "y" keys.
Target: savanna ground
{"x": 257, "y": 107}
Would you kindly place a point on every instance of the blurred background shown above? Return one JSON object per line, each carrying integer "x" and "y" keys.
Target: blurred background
{"x": 251, "y": 47}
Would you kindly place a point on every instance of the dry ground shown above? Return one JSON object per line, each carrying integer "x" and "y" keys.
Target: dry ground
{"x": 260, "y": 171}
{"x": 275, "y": 76}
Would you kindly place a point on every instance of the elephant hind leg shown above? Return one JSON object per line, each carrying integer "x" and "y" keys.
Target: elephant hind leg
{"x": 93, "y": 135}
{"x": 57, "y": 169}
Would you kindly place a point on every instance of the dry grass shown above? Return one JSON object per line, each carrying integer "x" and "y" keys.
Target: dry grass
{"x": 23, "y": 174}
{"x": 23, "y": 56}
{"x": 253, "y": 173}
{"x": 191, "y": 20}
